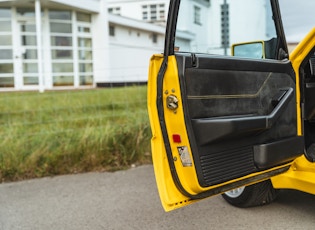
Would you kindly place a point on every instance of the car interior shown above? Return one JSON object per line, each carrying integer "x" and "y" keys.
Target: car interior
{"x": 308, "y": 103}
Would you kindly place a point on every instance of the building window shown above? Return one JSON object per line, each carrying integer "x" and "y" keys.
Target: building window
{"x": 114, "y": 10}
{"x": 82, "y": 17}
{"x": 6, "y": 50}
{"x": 60, "y": 15}
{"x": 85, "y": 49}
{"x": 71, "y": 48}
{"x": 153, "y": 12}
{"x": 111, "y": 31}
{"x": 145, "y": 15}
{"x": 61, "y": 47}
{"x": 154, "y": 38}
{"x": 28, "y": 42}
{"x": 225, "y": 31}
{"x": 197, "y": 15}
{"x": 162, "y": 14}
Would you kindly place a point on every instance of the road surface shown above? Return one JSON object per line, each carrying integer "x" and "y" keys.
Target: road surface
{"x": 129, "y": 200}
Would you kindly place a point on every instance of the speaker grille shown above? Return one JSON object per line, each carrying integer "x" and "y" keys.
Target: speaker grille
{"x": 227, "y": 165}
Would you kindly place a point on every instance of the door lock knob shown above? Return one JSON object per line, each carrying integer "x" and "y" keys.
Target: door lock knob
{"x": 172, "y": 102}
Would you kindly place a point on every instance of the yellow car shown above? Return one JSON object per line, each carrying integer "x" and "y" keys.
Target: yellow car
{"x": 231, "y": 111}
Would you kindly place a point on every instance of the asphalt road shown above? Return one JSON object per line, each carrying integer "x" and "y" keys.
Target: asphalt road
{"x": 129, "y": 200}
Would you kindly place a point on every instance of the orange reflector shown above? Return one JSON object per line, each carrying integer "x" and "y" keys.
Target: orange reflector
{"x": 176, "y": 138}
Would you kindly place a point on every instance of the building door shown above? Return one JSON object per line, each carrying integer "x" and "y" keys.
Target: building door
{"x": 26, "y": 59}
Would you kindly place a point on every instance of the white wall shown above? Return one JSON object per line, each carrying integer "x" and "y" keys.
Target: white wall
{"x": 92, "y": 5}
{"x": 130, "y": 51}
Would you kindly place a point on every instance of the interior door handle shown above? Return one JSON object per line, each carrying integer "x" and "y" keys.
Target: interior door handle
{"x": 280, "y": 107}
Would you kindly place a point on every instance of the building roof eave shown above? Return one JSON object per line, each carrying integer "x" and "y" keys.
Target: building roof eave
{"x": 137, "y": 24}
{"x": 146, "y": 26}
{"x": 92, "y": 7}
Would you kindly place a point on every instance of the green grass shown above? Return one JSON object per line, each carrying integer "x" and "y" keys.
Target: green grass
{"x": 61, "y": 132}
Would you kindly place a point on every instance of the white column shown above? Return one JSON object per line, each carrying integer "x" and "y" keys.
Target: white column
{"x": 76, "y": 77}
{"x": 39, "y": 45}
{"x": 100, "y": 44}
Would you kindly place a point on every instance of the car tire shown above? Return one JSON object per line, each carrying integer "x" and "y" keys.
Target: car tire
{"x": 254, "y": 195}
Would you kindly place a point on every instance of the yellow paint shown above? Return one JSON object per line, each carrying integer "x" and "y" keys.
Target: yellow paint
{"x": 301, "y": 176}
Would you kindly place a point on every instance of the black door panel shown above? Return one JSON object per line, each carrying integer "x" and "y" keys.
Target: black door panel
{"x": 236, "y": 115}
{"x": 227, "y": 126}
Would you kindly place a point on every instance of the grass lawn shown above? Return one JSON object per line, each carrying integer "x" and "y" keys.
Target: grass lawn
{"x": 62, "y": 132}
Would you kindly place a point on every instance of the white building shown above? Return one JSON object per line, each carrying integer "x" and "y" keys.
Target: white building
{"x": 49, "y": 44}
{"x": 54, "y": 44}
{"x": 200, "y": 15}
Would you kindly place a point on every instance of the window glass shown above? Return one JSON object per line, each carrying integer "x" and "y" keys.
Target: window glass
{"x": 29, "y": 40}
{"x": 115, "y": 10}
{"x": 111, "y": 31}
{"x": 86, "y": 67}
{"x": 30, "y": 54}
{"x": 6, "y": 54}
{"x": 60, "y": 15}
{"x": 30, "y": 80}
{"x": 197, "y": 18}
{"x": 71, "y": 58}
{"x": 84, "y": 29}
{"x": 30, "y": 68}
{"x": 83, "y": 17}
{"x": 86, "y": 80}
{"x": 85, "y": 54}
{"x": 84, "y": 42}
{"x": 154, "y": 38}
{"x": 6, "y": 68}
{"x": 61, "y": 41}
{"x": 217, "y": 26}
{"x": 5, "y": 26}
{"x": 6, "y": 82}
{"x": 153, "y": 12}
{"x": 60, "y": 27}
{"x": 63, "y": 80}
{"x": 61, "y": 54}
{"x": 62, "y": 67}
{"x": 5, "y": 13}
{"x": 28, "y": 28}
{"x": 5, "y": 40}
{"x": 26, "y": 12}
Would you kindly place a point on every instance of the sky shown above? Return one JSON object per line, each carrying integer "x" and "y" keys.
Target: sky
{"x": 298, "y": 18}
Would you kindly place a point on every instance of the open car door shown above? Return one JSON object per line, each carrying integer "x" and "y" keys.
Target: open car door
{"x": 220, "y": 122}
